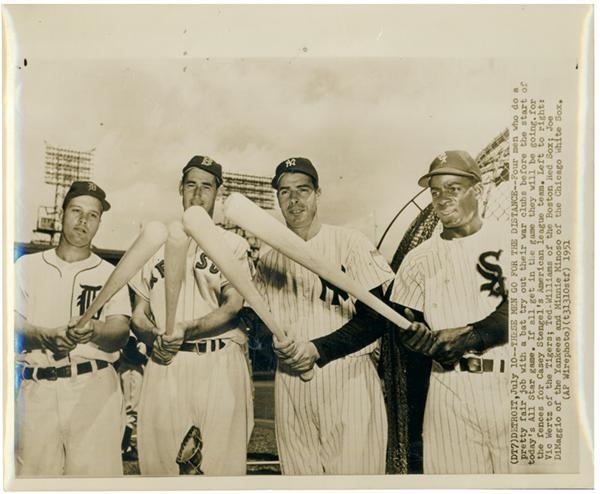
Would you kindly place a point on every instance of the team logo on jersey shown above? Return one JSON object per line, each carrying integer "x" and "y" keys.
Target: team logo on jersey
{"x": 380, "y": 261}
{"x": 160, "y": 267}
{"x": 337, "y": 293}
{"x": 493, "y": 273}
{"x": 202, "y": 263}
{"x": 86, "y": 297}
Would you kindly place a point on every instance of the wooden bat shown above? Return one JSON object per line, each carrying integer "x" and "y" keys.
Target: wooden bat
{"x": 198, "y": 224}
{"x": 175, "y": 261}
{"x": 252, "y": 218}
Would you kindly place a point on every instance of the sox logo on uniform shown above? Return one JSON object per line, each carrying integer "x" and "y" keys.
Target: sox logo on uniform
{"x": 210, "y": 390}
{"x": 454, "y": 283}
{"x": 69, "y": 426}
{"x": 335, "y": 423}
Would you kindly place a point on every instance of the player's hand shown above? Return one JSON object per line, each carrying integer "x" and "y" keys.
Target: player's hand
{"x": 451, "y": 344}
{"x": 284, "y": 348}
{"x": 80, "y": 335}
{"x": 57, "y": 341}
{"x": 418, "y": 337}
{"x": 160, "y": 354}
{"x": 305, "y": 357}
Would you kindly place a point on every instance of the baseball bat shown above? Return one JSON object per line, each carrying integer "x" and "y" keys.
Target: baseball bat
{"x": 198, "y": 224}
{"x": 175, "y": 260}
{"x": 252, "y": 218}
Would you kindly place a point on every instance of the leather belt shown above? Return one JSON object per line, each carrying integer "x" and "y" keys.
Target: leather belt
{"x": 203, "y": 346}
{"x": 54, "y": 373}
{"x": 479, "y": 365}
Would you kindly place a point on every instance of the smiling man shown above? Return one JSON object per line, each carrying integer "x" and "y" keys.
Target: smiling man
{"x": 69, "y": 400}
{"x": 335, "y": 423}
{"x": 198, "y": 375}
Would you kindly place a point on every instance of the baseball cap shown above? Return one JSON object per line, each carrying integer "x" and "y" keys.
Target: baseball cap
{"x": 295, "y": 165}
{"x": 86, "y": 188}
{"x": 452, "y": 163}
{"x": 207, "y": 164}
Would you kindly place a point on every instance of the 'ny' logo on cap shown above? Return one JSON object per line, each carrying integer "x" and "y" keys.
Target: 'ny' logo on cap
{"x": 290, "y": 162}
{"x": 443, "y": 158}
{"x": 91, "y": 186}
{"x": 207, "y": 161}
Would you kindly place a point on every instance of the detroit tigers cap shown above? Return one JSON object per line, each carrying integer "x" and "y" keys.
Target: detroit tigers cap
{"x": 86, "y": 188}
{"x": 452, "y": 163}
{"x": 295, "y": 165}
{"x": 207, "y": 164}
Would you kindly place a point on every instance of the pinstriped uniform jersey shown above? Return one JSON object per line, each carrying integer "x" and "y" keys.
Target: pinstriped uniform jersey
{"x": 308, "y": 306}
{"x": 201, "y": 287}
{"x": 455, "y": 282}
{"x": 50, "y": 292}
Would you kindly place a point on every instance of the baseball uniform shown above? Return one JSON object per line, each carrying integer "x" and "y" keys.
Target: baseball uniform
{"x": 335, "y": 423}
{"x": 208, "y": 387}
{"x": 453, "y": 283}
{"x": 67, "y": 425}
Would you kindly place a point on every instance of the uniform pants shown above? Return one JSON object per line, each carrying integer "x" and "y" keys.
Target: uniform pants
{"x": 335, "y": 423}
{"x": 131, "y": 383}
{"x": 466, "y": 427}
{"x": 209, "y": 390}
{"x": 71, "y": 426}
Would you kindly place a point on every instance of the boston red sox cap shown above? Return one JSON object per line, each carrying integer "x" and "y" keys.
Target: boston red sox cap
{"x": 452, "y": 163}
{"x": 295, "y": 165}
{"x": 207, "y": 164}
{"x": 86, "y": 188}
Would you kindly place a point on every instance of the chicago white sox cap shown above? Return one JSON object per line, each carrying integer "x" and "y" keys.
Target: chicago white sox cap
{"x": 295, "y": 165}
{"x": 452, "y": 163}
{"x": 82, "y": 188}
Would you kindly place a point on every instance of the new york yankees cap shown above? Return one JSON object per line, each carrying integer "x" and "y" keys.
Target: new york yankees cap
{"x": 86, "y": 188}
{"x": 295, "y": 165}
{"x": 207, "y": 164}
{"x": 452, "y": 163}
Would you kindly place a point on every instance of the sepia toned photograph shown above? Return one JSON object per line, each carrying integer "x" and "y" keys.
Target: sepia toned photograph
{"x": 298, "y": 247}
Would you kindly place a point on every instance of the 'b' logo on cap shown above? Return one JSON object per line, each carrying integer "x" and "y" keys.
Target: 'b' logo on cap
{"x": 443, "y": 158}
{"x": 91, "y": 186}
{"x": 207, "y": 161}
{"x": 290, "y": 162}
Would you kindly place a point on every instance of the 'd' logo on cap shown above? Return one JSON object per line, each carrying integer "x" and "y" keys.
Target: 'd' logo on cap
{"x": 443, "y": 158}
{"x": 290, "y": 162}
{"x": 91, "y": 186}
{"x": 207, "y": 161}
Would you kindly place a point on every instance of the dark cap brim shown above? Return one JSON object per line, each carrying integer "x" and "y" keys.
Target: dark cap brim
{"x": 424, "y": 180}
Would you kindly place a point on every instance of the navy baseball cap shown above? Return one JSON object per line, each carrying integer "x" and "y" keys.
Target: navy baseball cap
{"x": 207, "y": 164}
{"x": 86, "y": 188}
{"x": 295, "y": 165}
{"x": 452, "y": 163}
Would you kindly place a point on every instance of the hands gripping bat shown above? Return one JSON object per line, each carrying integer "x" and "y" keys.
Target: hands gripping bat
{"x": 252, "y": 218}
{"x": 200, "y": 227}
{"x": 175, "y": 261}
{"x": 147, "y": 243}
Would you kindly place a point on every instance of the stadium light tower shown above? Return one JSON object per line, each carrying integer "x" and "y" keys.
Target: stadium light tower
{"x": 63, "y": 167}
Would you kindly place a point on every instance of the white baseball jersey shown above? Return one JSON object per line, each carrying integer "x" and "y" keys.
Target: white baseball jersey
{"x": 336, "y": 423}
{"x": 51, "y": 291}
{"x": 210, "y": 390}
{"x": 70, "y": 426}
{"x": 454, "y": 283}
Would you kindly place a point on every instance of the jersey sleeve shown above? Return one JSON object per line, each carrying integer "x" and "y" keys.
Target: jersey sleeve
{"x": 409, "y": 288}
{"x": 119, "y": 304}
{"x": 366, "y": 264}
{"x": 140, "y": 283}
{"x": 21, "y": 293}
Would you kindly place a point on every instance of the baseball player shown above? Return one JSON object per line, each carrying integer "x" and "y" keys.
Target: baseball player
{"x": 69, "y": 403}
{"x": 455, "y": 283}
{"x": 335, "y": 423}
{"x": 197, "y": 376}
